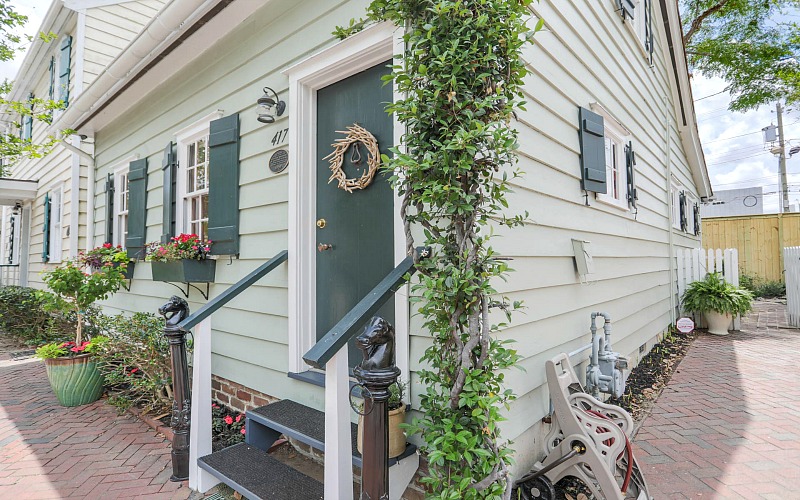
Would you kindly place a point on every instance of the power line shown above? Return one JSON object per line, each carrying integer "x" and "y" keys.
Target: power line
{"x": 737, "y": 159}
{"x": 743, "y": 135}
{"x": 712, "y": 95}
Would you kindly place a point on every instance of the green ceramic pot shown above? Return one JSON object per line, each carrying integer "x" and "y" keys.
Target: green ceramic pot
{"x": 76, "y": 381}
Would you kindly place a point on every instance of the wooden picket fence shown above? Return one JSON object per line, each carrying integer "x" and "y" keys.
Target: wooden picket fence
{"x": 791, "y": 262}
{"x": 695, "y": 263}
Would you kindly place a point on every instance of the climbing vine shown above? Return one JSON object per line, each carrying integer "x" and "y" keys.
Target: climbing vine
{"x": 461, "y": 77}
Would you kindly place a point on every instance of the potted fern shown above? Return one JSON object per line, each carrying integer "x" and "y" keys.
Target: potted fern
{"x": 718, "y": 301}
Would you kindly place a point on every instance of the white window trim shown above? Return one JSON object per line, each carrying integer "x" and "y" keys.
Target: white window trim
{"x": 117, "y": 238}
{"x": 56, "y": 248}
{"x": 617, "y": 132}
{"x": 676, "y": 188}
{"x": 638, "y": 26}
{"x": 346, "y": 58}
{"x": 183, "y": 137}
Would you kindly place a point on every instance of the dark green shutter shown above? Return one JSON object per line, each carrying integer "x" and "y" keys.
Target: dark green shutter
{"x": 626, "y": 8}
{"x": 696, "y": 219}
{"x": 593, "y": 151}
{"x": 46, "y": 229}
{"x": 137, "y": 208}
{"x": 110, "y": 209}
{"x": 169, "y": 165}
{"x": 27, "y": 133}
{"x": 63, "y": 77}
{"x": 51, "y": 93}
{"x": 649, "y": 39}
{"x": 682, "y": 206}
{"x": 630, "y": 164}
{"x": 223, "y": 189}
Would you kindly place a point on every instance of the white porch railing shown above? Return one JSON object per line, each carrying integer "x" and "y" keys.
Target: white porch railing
{"x": 9, "y": 275}
{"x": 695, "y": 263}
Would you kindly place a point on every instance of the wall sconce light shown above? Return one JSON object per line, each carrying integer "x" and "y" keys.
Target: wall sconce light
{"x": 266, "y": 104}
{"x": 17, "y": 209}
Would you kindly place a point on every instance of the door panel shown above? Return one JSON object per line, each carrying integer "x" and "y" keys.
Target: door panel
{"x": 359, "y": 225}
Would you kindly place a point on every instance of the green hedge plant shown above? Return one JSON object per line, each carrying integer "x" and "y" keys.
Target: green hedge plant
{"x": 714, "y": 294}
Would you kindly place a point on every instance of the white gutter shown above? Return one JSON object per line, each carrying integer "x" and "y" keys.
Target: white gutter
{"x": 173, "y": 19}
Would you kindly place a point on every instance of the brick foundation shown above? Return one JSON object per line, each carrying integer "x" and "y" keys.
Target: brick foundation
{"x": 236, "y": 395}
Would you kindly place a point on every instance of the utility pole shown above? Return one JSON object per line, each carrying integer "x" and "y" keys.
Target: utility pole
{"x": 782, "y": 160}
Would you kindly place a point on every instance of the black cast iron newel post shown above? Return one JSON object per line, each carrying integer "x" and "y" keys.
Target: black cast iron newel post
{"x": 175, "y": 311}
{"x": 376, "y": 373}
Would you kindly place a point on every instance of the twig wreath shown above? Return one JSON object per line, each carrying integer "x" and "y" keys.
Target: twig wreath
{"x": 355, "y": 134}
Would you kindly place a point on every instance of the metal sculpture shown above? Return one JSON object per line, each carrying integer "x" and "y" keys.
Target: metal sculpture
{"x": 376, "y": 373}
{"x": 175, "y": 311}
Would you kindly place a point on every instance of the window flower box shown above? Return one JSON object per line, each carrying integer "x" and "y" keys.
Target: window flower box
{"x": 185, "y": 271}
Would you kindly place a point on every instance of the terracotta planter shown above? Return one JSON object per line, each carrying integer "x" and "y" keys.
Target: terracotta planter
{"x": 75, "y": 381}
{"x": 397, "y": 438}
{"x": 718, "y": 323}
{"x": 185, "y": 271}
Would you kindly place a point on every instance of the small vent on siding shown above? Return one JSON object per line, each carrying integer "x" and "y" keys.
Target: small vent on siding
{"x": 642, "y": 348}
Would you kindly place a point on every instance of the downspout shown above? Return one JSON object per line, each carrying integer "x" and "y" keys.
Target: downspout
{"x": 671, "y": 237}
{"x": 89, "y": 189}
{"x": 75, "y": 199}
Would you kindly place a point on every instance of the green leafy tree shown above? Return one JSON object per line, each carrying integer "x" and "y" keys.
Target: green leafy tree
{"x": 753, "y": 45}
{"x": 461, "y": 78}
{"x": 12, "y": 146}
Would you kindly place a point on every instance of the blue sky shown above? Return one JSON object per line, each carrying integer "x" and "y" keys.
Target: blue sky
{"x": 733, "y": 143}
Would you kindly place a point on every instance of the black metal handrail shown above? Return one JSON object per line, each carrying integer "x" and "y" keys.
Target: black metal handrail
{"x": 243, "y": 284}
{"x": 347, "y": 327}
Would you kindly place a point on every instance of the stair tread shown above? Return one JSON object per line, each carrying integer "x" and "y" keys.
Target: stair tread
{"x": 299, "y": 422}
{"x": 257, "y": 475}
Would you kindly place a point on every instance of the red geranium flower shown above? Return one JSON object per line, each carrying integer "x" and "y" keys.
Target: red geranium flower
{"x": 214, "y": 405}
{"x": 238, "y": 417}
{"x": 228, "y": 420}
{"x": 107, "y": 245}
{"x": 243, "y": 430}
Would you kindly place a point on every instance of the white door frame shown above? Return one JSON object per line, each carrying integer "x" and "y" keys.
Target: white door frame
{"x": 357, "y": 53}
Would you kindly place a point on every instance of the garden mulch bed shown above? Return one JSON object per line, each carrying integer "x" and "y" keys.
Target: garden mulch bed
{"x": 645, "y": 383}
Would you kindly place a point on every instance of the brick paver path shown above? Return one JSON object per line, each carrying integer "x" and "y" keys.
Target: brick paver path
{"x": 48, "y": 451}
{"x": 728, "y": 423}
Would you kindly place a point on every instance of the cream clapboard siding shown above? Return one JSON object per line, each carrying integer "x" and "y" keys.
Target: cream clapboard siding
{"x": 109, "y": 29}
{"x": 52, "y": 170}
{"x": 250, "y": 336}
{"x": 585, "y": 55}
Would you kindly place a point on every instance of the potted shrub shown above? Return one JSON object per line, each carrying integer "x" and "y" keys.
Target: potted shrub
{"x": 109, "y": 255}
{"x": 186, "y": 259}
{"x": 397, "y": 416}
{"x": 718, "y": 301}
{"x": 70, "y": 367}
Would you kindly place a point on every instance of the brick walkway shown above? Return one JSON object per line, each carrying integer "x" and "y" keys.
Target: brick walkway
{"x": 48, "y": 451}
{"x": 727, "y": 425}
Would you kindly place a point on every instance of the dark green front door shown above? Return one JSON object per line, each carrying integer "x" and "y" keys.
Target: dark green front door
{"x": 358, "y": 226}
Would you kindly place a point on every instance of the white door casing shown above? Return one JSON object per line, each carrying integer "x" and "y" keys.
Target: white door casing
{"x": 357, "y": 53}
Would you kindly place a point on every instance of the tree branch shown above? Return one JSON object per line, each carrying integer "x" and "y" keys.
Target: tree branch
{"x": 698, "y": 21}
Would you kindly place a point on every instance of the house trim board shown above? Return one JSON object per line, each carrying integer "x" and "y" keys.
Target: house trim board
{"x": 82, "y": 5}
{"x": 346, "y": 58}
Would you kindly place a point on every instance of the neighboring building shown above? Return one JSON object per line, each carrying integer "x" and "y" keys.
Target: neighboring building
{"x": 732, "y": 202}
{"x": 45, "y": 223}
{"x": 609, "y": 110}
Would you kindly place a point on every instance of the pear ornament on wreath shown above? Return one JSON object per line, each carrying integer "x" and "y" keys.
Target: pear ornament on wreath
{"x": 355, "y": 135}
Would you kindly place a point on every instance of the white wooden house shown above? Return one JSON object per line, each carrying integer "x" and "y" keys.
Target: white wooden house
{"x": 45, "y": 221}
{"x": 609, "y": 145}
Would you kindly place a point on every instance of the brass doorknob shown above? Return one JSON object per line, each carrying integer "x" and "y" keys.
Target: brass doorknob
{"x": 322, "y": 247}
{"x": 321, "y": 223}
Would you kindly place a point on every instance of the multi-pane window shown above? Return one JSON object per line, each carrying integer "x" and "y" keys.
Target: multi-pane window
{"x": 196, "y": 195}
{"x": 121, "y": 207}
{"x": 615, "y": 137}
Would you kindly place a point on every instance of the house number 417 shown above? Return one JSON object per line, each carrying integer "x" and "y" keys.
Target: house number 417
{"x": 280, "y": 136}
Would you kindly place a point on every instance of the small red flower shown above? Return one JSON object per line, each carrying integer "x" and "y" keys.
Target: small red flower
{"x": 134, "y": 370}
{"x": 243, "y": 431}
{"x": 238, "y": 417}
{"x": 214, "y": 405}
{"x": 228, "y": 420}
{"x": 107, "y": 245}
